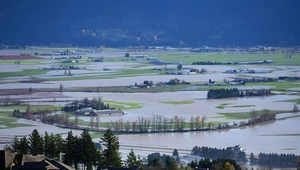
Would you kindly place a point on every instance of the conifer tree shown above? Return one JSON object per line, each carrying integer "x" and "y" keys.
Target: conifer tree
{"x": 133, "y": 160}
{"x": 88, "y": 150}
{"x": 47, "y": 147}
{"x": 68, "y": 148}
{"x": 111, "y": 152}
{"x": 23, "y": 146}
{"x": 35, "y": 143}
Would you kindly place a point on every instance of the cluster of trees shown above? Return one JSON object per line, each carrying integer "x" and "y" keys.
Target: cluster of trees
{"x": 220, "y": 163}
{"x": 29, "y": 114}
{"x": 160, "y": 161}
{"x": 284, "y": 160}
{"x": 256, "y": 118}
{"x": 234, "y": 92}
{"x": 74, "y": 149}
{"x": 49, "y": 144}
{"x": 95, "y": 103}
{"x": 214, "y": 153}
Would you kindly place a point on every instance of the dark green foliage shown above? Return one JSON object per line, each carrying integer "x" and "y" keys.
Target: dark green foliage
{"x": 47, "y": 147}
{"x": 35, "y": 143}
{"x": 23, "y": 147}
{"x": 171, "y": 163}
{"x": 154, "y": 160}
{"x": 218, "y": 164}
{"x": 111, "y": 152}
{"x": 214, "y": 153}
{"x": 288, "y": 160}
{"x": 95, "y": 103}
{"x": 133, "y": 160}
{"x": 234, "y": 92}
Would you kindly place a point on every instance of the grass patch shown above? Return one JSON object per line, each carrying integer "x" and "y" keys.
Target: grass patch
{"x": 178, "y": 102}
{"x": 11, "y": 122}
{"x": 96, "y": 135}
{"x": 246, "y": 115}
{"x": 222, "y": 106}
{"x": 123, "y": 105}
{"x": 33, "y": 108}
{"x": 296, "y": 101}
{"x": 242, "y": 105}
{"x": 278, "y": 86}
{"x": 289, "y": 149}
{"x": 28, "y": 72}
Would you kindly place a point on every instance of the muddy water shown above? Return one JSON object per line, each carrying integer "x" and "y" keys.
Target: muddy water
{"x": 281, "y": 137}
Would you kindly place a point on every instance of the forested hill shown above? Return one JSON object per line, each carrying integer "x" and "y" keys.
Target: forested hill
{"x": 116, "y": 23}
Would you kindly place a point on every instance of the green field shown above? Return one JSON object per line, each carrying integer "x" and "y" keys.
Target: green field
{"x": 123, "y": 105}
{"x": 194, "y": 57}
{"x": 246, "y": 115}
{"x": 27, "y": 61}
{"x": 28, "y": 72}
{"x": 33, "y": 108}
{"x": 11, "y": 122}
{"x": 178, "y": 102}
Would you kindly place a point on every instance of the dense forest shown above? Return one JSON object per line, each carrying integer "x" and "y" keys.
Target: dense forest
{"x": 118, "y": 23}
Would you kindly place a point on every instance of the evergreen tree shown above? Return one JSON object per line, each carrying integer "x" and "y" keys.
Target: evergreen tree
{"x": 14, "y": 145}
{"x": 68, "y": 148}
{"x": 132, "y": 160}
{"x": 88, "y": 150}
{"x": 111, "y": 152}
{"x": 23, "y": 146}
{"x": 58, "y": 146}
{"x": 35, "y": 143}
{"x": 47, "y": 147}
{"x": 175, "y": 152}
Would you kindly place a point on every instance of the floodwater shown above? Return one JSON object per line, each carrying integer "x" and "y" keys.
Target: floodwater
{"x": 282, "y": 136}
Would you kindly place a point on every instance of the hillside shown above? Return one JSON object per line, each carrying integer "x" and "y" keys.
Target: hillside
{"x": 177, "y": 23}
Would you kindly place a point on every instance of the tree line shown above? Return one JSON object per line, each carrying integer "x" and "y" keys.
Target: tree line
{"x": 283, "y": 160}
{"x": 214, "y": 153}
{"x": 234, "y": 92}
{"x": 76, "y": 150}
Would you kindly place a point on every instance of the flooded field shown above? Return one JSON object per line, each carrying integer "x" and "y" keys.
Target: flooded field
{"x": 282, "y": 136}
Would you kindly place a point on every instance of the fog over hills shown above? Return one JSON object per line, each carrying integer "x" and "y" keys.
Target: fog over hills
{"x": 118, "y": 23}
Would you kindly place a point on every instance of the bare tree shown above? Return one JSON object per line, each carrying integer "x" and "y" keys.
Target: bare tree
{"x": 61, "y": 88}
{"x": 203, "y": 120}
{"x": 6, "y": 101}
{"x": 67, "y": 118}
{"x": 97, "y": 120}
{"x": 92, "y": 121}
{"x": 76, "y": 119}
